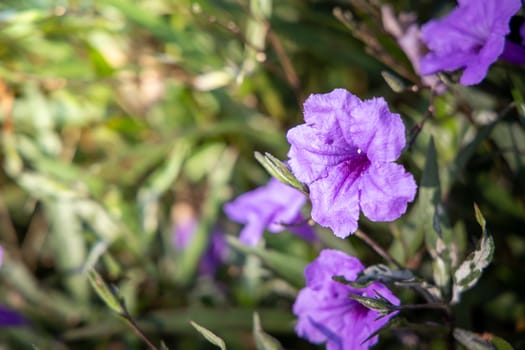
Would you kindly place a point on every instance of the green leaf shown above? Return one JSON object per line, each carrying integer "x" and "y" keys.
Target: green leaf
{"x": 382, "y": 273}
{"x": 263, "y": 341}
{"x": 470, "y": 270}
{"x": 438, "y": 234}
{"x": 380, "y": 304}
{"x": 280, "y": 171}
{"x": 393, "y": 81}
{"x": 289, "y": 267}
{"x": 105, "y": 292}
{"x": 402, "y": 278}
{"x": 210, "y": 336}
{"x": 68, "y": 245}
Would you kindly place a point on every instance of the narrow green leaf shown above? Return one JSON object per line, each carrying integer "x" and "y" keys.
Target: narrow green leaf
{"x": 381, "y": 273}
{"x": 280, "y": 171}
{"x": 263, "y": 341}
{"x": 210, "y": 336}
{"x": 470, "y": 270}
{"x": 105, "y": 292}
{"x": 393, "y": 81}
{"x": 380, "y": 304}
{"x": 438, "y": 234}
{"x": 68, "y": 245}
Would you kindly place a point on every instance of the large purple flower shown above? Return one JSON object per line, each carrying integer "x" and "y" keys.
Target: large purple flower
{"x": 472, "y": 37}
{"x": 275, "y": 207}
{"x": 326, "y": 314}
{"x": 344, "y": 153}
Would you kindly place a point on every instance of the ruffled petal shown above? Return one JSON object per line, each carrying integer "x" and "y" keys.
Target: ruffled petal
{"x": 313, "y": 152}
{"x": 385, "y": 190}
{"x": 322, "y": 110}
{"x": 377, "y": 132}
{"x": 335, "y": 200}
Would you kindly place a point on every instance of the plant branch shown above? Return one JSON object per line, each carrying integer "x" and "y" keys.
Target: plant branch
{"x": 377, "y": 248}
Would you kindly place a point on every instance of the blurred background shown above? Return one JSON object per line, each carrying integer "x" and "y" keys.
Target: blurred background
{"x": 127, "y": 124}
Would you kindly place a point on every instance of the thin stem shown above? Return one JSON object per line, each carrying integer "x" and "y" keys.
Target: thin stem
{"x": 139, "y": 331}
{"x": 437, "y": 306}
{"x": 377, "y": 248}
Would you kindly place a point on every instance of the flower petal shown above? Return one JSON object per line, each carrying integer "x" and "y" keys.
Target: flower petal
{"x": 335, "y": 200}
{"x": 477, "y": 69}
{"x": 322, "y": 110}
{"x": 375, "y": 130}
{"x": 314, "y": 151}
{"x": 385, "y": 190}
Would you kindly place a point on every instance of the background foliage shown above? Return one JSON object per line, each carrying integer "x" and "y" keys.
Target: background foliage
{"x": 119, "y": 116}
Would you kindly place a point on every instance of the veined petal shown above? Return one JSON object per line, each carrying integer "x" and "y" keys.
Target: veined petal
{"x": 377, "y": 132}
{"x": 322, "y": 110}
{"x": 314, "y": 151}
{"x": 385, "y": 190}
{"x": 335, "y": 200}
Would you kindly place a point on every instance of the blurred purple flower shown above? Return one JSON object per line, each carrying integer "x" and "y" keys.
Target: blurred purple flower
{"x": 406, "y": 31}
{"x": 325, "y": 312}
{"x": 185, "y": 225}
{"x": 8, "y": 317}
{"x": 345, "y": 154}
{"x": 275, "y": 207}
{"x": 514, "y": 51}
{"x": 472, "y": 37}
{"x": 11, "y": 318}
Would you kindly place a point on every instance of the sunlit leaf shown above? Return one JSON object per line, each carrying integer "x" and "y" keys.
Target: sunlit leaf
{"x": 263, "y": 341}
{"x": 209, "y": 335}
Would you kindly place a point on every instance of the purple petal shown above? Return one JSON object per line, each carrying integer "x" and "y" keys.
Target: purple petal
{"x": 323, "y": 110}
{"x": 376, "y": 131}
{"x": 335, "y": 200}
{"x": 471, "y": 37}
{"x": 477, "y": 69}
{"x": 325, "y": 312}
{"x": 314, "y": 151}
{"x": 272, "y": 207}
{"x": 385, "y": 191}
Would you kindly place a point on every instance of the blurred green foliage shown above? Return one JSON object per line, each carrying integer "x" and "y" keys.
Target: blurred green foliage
{"x": 115, "y": 112}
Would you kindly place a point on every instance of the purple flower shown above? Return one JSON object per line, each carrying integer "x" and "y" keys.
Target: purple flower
{"x": 325, "y": 312}
{"x": 185, "y": 226}
{"x": 344, "y": 153}
{"x": 472, "y": 37}
{"x": 406, "y": 31}
{"x": 274, "y": 207}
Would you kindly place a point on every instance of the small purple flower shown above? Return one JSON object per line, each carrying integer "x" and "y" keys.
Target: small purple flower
{"x": 472, "y": 37}
{"x": 275, "y": 207}
{"x": 326, "y": 314}
{"x": 185, "y": 225}
{"x": 345, "y": 154}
